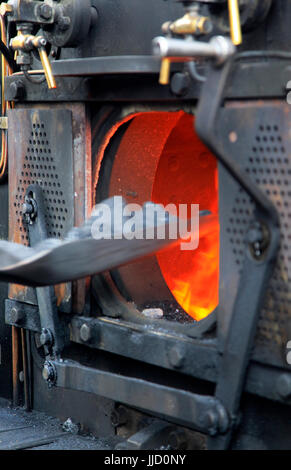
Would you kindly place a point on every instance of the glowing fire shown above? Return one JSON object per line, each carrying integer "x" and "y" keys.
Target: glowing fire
{"x": 193, "y": 277}
{"x": 190, "y": 176}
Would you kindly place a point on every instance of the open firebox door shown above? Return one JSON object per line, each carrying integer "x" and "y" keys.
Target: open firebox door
{"x": 160, "y": 158}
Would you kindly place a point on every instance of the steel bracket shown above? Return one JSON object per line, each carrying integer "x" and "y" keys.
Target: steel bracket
{"x": 52, "y": 334}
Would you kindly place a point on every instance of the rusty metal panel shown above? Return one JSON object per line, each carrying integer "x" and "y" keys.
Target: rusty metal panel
{"x": 40, "y": 152}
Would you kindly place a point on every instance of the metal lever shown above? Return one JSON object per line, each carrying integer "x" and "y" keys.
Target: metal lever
{"x": 234, "y": 20}
{"x": 190, "y": 24}
{"x": 165, "y": 72}
{"x": 170, "y": 50}
{"x": 51, "y": 82}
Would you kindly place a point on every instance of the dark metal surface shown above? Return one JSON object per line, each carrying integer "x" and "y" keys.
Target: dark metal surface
{"x": 131, "y": 340}
{"x": 118, "y": 65}
{"x": 5, "y": 331}
{"x": 135, "y": 79}
{"x": 154, "y": 436}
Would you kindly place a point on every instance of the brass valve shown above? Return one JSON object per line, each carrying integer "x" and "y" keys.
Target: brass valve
{"x": 26, "y": 43}
{"x": 190, "y": 23}
{"x": 234, "y": 21}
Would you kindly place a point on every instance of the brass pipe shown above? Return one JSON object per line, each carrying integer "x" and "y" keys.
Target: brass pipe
{"x": 47, "y": 68}
{"x": 165, "y": 72}
{"x": 234, "y": 21}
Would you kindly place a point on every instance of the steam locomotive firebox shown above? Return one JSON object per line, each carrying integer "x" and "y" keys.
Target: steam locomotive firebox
{"x": 162, "y": 104}
{"x": 155, "y": 159}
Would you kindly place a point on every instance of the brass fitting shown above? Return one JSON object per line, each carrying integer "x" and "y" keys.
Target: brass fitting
{"x": 190, "y": 23}
{"x": 26, "y": 43}
{"x": 5, "y": 8}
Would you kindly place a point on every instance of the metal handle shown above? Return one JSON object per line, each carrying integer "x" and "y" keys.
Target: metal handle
{"x": 165, "y": 72}
{"x": 234, "y": 20}
{"x": 47, "y": 68}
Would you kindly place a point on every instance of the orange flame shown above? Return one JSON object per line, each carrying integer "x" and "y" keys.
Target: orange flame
{"x": 188, "y": 175}
{"x": 192, "y": 277}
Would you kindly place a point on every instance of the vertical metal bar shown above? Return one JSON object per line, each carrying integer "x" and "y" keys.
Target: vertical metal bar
{"x": 234, "y": 20}
{"x": 15, "y": 366}
{"x": 25, "y": 370}
{"x": 29, "y": 366}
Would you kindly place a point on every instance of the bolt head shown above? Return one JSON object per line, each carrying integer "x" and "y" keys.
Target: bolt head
{"x": 85, "y": 333}
{"x": 255, "y": 234}
{"x": 49, "y": 372}
{"x": 176, "y": 356}
{"x": 16, "y": 90}
{"x": 27, "y": 208}
{"x": 21, "y": 376}
{"x": 46, "y": 11}
{"x": 16, "y": 314}
{"x": 283, "y": 386}
{"x": 43, "y": 42}
{"x": 46, "y": 337}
